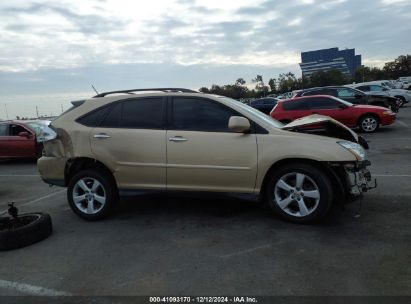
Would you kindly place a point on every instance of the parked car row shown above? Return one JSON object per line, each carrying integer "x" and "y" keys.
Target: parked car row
{"x": 383, "y": 88}
{"x": 365, "y": 106}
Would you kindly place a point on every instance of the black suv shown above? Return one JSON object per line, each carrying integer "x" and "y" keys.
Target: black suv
{"x": 354, "y": 96}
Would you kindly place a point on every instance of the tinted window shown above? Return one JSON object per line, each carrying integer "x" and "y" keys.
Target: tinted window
{"x": 376, "y": 88}
{"x": 325, "y": 91}
{"x": 346, "y": 92}
{"x": 322, "y": 103}
{"x": 143, "y": 113}
{"x": 270, "y": 101}
{"x": 3, "y": 130}
{"x": 196, "y": 114}
{"x": 94, "y": 118}
{"x": 294, "y": 105}
{"x": 256, "y": 102}
{"x": 363, "y": 88}
{"x": 112, "y": 119}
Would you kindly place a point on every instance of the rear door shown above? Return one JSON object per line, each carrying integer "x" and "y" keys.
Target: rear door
{"x": 130, "y": 140}
{"x": 203, "y": 153}
{"x": 295, "y": 109}
{"x": 330, "y": 107}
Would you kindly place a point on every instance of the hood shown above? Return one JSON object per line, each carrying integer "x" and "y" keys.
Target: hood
{"x": 325, "y": 126}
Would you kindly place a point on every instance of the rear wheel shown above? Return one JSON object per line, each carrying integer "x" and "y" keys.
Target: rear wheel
{"x": 368, "y": 123}
{"x": 299, "y": 192}
{"x": 92, "y": 194}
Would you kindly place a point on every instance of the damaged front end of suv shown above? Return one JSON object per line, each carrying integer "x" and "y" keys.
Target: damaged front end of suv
{"x": 352, "y": 178}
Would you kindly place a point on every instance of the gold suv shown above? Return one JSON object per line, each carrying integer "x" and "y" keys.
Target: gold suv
{"x": 176, "y": 139}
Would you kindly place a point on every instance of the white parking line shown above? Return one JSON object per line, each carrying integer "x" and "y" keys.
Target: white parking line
{"x": 32, "y": 289}
{"x": 37, "y": 199}
{"x": 402, "y": 123}
{"x": 229, "y": 255}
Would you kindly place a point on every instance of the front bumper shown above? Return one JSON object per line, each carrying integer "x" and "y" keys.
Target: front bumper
{"x": 358, "y": 178}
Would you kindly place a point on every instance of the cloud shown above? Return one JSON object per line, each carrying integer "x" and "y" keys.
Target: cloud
{"x": 64, "y": 45}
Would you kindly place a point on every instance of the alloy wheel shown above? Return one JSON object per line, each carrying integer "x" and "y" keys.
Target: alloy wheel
{"x": 297, "y": 194}
{"x": 369, "y": 124}
{"x": 89, "y": 195}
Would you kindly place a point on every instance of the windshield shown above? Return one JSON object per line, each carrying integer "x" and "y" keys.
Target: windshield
{"x": 255, "y": 112}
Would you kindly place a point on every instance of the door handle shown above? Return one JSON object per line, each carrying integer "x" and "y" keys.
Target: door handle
{"x": 177, "y": 139}
{"x": 101, "y": 136}
{"x": 314, "y": 113}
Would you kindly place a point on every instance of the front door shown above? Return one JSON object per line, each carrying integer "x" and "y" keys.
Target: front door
{"x": 203, "y": 154}
{"x": 21, "y": 146}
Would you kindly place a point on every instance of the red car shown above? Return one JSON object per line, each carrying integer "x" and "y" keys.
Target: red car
{"x": 20, "y": 140}
{"x": 366, "y": 117}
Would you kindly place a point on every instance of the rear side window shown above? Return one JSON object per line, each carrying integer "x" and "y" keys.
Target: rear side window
{"x": 112, "y": 119}
{"x": 95, "y": 117}
{"x": 143, "y": 113}
{"x": 322, "y": 103}
{"x": 294, "y": 105}
{"x": 195, "y": 114}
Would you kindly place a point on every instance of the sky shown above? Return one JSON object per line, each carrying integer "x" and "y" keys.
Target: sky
{"x": 51, "y": 51}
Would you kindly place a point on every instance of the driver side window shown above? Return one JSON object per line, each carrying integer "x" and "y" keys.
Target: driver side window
{"x": 195, "y": 114}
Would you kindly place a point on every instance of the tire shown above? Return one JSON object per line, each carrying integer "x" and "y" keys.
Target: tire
{"x": 402, "y": 101}
{"x": 291, "y": 202}
{"x": 90, "y": 200}
{"x": 368, "y": 123}
{"x": 39, "y": 228}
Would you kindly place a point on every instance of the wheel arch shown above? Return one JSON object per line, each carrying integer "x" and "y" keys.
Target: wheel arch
{"x": 75, "y": 165}
{"x": 334, "y": 177}
{"x": 368, "y": 114}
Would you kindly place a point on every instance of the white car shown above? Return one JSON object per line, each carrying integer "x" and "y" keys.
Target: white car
{"x": 376, "y": 87}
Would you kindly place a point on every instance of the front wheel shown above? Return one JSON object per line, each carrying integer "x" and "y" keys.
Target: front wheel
{"x": 92, "y": 194}
{"x": 300, "y": 193}
{"x": 368, "y": 124}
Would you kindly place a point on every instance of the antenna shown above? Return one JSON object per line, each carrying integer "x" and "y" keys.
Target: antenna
{"x": 94, "y": 89}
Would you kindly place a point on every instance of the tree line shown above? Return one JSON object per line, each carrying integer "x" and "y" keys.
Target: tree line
{"x": 286, "y": 82}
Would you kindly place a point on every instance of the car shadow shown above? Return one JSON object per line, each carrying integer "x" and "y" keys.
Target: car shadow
{"x": 17, "y": 161}
{"x": 217, "y": 206}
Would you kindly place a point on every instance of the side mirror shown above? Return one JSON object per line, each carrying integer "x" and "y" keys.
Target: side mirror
{"x": 342, "y": 106}
{"x": 24, "y": 134}
{"x": 239, "y": 124}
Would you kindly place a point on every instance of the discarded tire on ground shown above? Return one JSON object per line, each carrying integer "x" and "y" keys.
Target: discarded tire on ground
{"x": 24, "y": 230}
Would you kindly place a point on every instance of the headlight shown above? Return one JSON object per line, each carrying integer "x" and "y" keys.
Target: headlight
{"x": 354, "y": 148}
{"x": 389, "y": 112}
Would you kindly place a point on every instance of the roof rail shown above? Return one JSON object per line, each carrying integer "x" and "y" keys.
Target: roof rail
{"x": 145, "y": 90}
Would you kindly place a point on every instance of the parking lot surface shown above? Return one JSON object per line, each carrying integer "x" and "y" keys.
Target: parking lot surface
{"x": 178, "y": 244}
